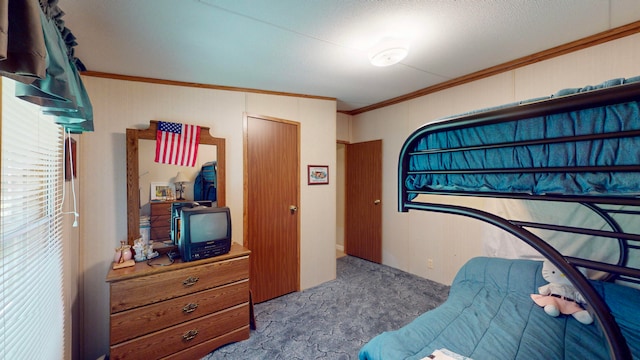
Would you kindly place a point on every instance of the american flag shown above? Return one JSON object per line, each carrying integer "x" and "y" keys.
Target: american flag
{"x": 177, "y": 144}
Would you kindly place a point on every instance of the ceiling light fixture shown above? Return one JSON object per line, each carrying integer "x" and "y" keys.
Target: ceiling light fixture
{"x": 388, "y": 52}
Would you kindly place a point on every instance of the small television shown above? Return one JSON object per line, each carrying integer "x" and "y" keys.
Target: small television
{"x": 176, "y": 207}
{"x": 204, "y": 232}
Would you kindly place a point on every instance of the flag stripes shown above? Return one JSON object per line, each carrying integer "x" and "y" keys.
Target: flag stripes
{"x": 177, "y": 144}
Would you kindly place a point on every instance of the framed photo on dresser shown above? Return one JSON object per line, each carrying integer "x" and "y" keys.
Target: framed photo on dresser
{"x": 162, "y": 191}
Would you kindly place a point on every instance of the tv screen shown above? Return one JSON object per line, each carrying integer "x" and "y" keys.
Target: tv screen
{"x": 208, "y": 226}
{"x": 204, "y": 232}
{"x": 176, "y": 210}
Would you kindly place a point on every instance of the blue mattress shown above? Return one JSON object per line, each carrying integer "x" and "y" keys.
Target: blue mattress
{"x": 599, "y": 120}
{"x": 489, "y": 315}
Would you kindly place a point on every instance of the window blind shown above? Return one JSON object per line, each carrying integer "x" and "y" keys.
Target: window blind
{"x": 31, "y": 293}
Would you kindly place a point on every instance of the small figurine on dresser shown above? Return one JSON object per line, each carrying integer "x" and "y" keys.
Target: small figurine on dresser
{"x": 144, "y": 250}
{"x": 122, "y": 257}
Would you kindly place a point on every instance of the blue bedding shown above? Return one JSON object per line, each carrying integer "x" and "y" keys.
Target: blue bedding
{"x": 622, "y": 151}
{"x": 489, "y": 315}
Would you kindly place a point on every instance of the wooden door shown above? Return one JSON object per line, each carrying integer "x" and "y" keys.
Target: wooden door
{"x": 363, "y": 205}
{"x": 272, "y": 188}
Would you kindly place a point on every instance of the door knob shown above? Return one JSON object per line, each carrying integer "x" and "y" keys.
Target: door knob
{"x": 293, "y": 209}
{"x": 376, "y": 202}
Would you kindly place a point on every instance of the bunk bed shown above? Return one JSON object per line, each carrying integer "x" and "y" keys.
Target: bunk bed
{"x": 578, "y": 148}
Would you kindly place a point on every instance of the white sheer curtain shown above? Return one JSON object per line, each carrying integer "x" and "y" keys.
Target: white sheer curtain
{"x": 31, "y": 274}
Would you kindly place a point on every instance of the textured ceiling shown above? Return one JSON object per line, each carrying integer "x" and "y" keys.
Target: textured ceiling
{"x": 319, "y": 47}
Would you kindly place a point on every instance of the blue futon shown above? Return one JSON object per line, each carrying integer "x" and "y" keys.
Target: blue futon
{"x": 489, "y": 315}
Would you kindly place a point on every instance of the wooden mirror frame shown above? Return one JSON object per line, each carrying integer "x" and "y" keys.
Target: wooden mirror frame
{"x": 133, "y": 185}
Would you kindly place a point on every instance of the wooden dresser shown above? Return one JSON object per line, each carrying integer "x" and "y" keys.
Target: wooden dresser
{"x": 160, "y": 220}
{"x": 181, "y": 311}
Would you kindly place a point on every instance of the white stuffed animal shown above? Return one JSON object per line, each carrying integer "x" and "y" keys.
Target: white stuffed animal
{"x": 559, "y": 296}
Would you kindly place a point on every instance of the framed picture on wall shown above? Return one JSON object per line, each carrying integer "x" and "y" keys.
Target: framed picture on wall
{"x": 162, "y": 191}
{"x": 318, "y": 174}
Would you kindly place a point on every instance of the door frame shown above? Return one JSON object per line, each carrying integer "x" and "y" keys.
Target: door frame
{"x": 245, "y": 185}
{"x": 343, "y": 169}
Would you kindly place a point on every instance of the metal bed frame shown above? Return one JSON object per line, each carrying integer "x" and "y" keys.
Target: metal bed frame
{"x": 627, "y": 242}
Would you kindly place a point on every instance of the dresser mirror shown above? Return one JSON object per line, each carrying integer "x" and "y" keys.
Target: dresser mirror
{"x": 142, "y": 171}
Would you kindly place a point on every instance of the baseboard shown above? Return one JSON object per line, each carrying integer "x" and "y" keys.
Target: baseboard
{"x": 340, "y": 247}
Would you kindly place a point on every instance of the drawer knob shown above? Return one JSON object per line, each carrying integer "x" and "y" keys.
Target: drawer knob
{"x": 190, "y": 307}
{"x": 190, "y": 335}
{"x": 190, "y": 281}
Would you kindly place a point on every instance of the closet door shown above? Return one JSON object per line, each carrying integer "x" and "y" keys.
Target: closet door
{"x": 272, "y": 188}
{"x": 363, "y": 204}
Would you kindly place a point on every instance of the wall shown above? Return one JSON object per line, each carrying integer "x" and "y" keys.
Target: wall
{"x": 120, "y": 104}
{"x": 343, "y": 127}
{"x": 409, "y": 239}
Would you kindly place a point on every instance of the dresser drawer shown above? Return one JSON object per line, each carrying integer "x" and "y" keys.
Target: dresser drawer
{"x": 160, "y": 220}
{"x": 160, "y": 208}
{"x": 157, "y": 287}
{"x": 180, "y": 337}
{"x": 203, "y": 349}
{"x": 160, "y": 233}
{"x": 129, "y": 324}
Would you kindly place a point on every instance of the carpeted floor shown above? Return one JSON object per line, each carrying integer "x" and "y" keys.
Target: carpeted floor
{"x": 335, "y": 319}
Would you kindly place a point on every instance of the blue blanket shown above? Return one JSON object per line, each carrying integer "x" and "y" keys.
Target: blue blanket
{"x": 603, "y": 152}
{"x": 489, "y": 315}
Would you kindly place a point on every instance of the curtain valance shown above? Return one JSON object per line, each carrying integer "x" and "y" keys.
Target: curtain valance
{"x": 37, "y": 50}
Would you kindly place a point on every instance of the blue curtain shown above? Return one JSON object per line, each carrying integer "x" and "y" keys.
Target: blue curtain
{"x": 22, "y": 51}
{"x": 59, "y": 90}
